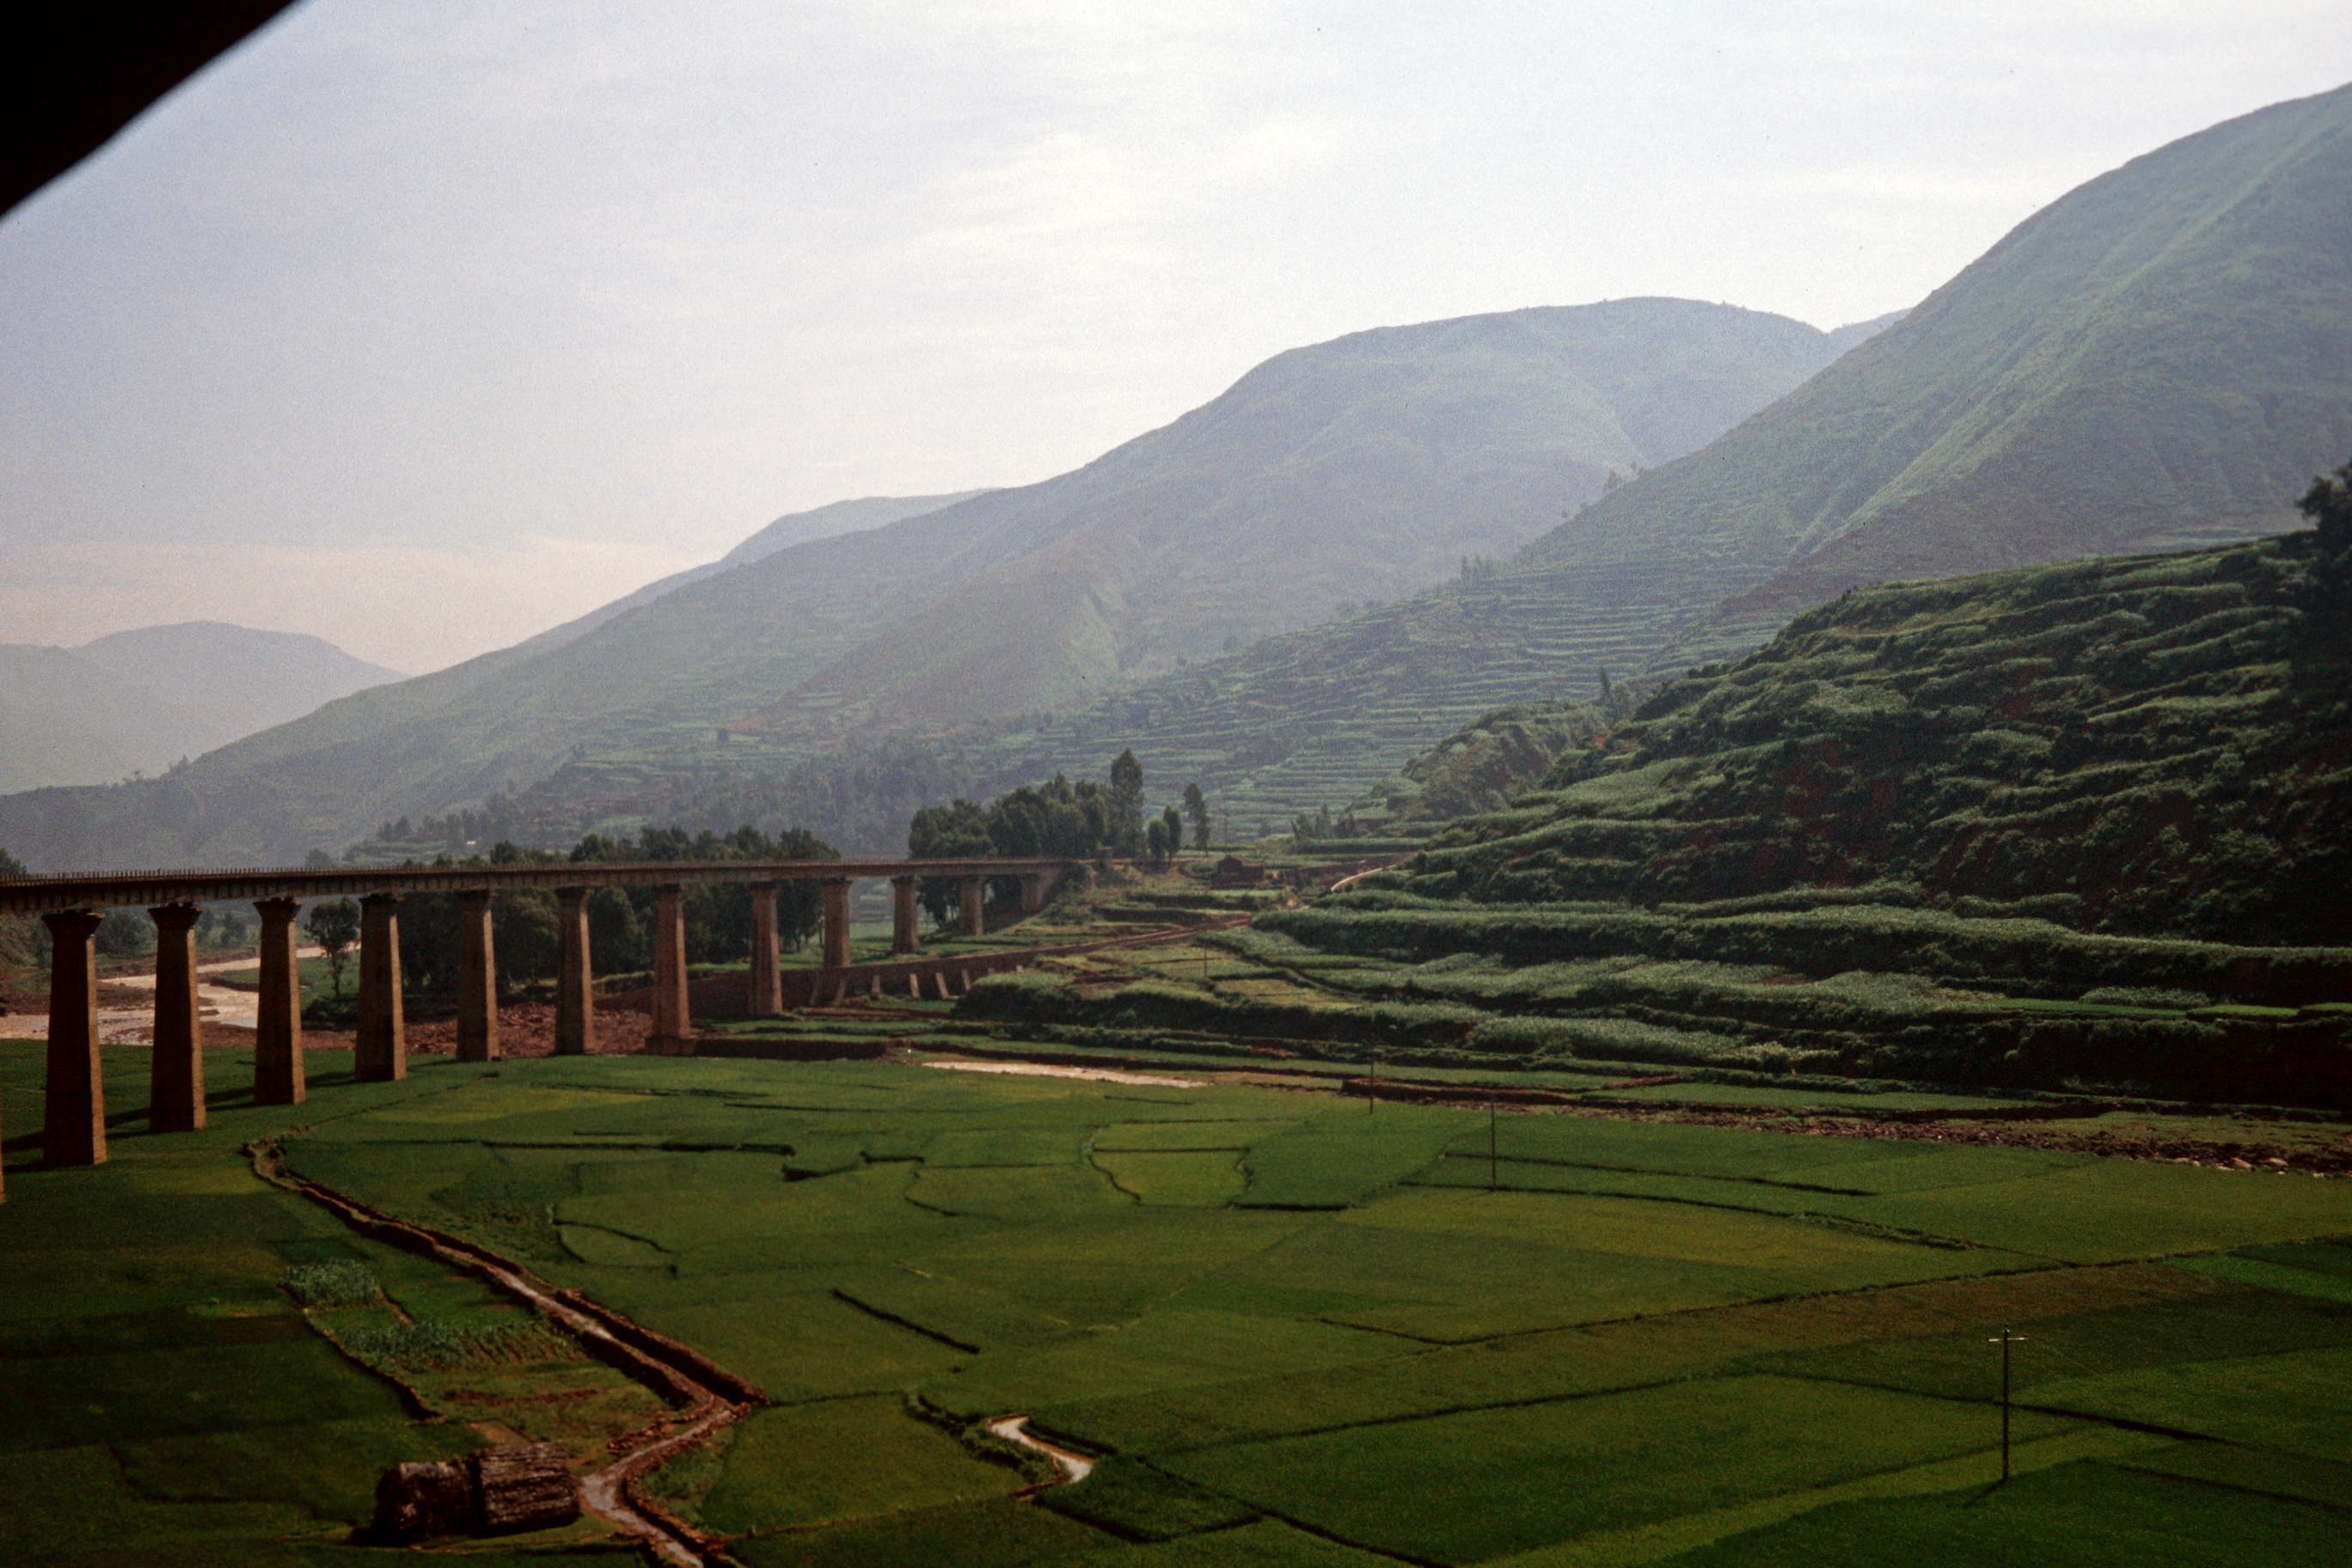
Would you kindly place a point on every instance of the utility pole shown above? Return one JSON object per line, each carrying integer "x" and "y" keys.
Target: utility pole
{"x": 1494, "y": 1182}
{"x": 2006, "y": 1340}
{"x": 1372, "y": 1097}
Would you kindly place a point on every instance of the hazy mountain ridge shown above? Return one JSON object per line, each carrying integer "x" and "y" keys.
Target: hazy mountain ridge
{"x": 68, "y": 719}
{"x": 794, "y": 528}
{"x": 1327, "y": 468}
{"x": 2159, "y": 359}
{"x": 138, "y": 701}
{"x": 1929, "y": 449}
{"x": 1364, "y": 466}
{"x": 234, "y": 678}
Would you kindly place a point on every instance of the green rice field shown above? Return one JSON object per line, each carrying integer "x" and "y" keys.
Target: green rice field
{"x": 1292, "y": 1329}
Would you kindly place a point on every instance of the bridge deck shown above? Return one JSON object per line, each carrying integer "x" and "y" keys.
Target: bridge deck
{"x": 39, "y": 894}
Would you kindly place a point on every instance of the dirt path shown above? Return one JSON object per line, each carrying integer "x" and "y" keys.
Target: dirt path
{"x": 2187, "y": 1135}
{"x": 1043, "y": 1069}
{"x": 218, "y": 1006}
{"x": 1015, "y": 1428}
{"x": 712, "y": 1396}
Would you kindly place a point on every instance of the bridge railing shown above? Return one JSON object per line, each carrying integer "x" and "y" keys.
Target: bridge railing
{"x": 40, "y": 892}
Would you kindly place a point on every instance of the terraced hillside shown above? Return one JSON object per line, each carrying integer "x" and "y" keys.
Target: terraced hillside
{"x": 1316, "y": 718}
{"x": 2072, "y": 827}
{"x": 2151, "y": 745}
{"x": 2156, "y": 361}
{"x": 1481, "y": 768}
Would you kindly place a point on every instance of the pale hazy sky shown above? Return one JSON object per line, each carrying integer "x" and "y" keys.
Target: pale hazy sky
{"x": 422, "y": 327}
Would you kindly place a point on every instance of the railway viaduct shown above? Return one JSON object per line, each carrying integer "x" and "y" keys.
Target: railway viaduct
{"x": 74, "y": 1113}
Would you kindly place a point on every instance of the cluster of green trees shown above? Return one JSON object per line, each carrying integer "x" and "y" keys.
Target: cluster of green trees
{"x": 498, "y": 818}
{"x": 1060, "y": 819}
{"x": 523, "y": 929}
{"x": 22, "y": 938}
{"x": 1314, "y": 826}
{"x": 1164, "y": 836}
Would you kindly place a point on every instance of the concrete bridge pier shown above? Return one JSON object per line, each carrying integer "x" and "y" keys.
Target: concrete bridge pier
{"x": 175, "y": 1078}
{"x": 73, "y": 1123}
{"x": 905, "y": 926}
{"x": 767, "y": 985}
{"x": 278, "y": 1076}
{"x": 975, "y": 921}
{"x": 672, "y": 1019}
{"x": 478, "y": 979}
{"x": 575, "y": 991}
{"x": 836, "y": 923}
{"x": 381, "y": 1055}
{"x": 1033, "y": 889}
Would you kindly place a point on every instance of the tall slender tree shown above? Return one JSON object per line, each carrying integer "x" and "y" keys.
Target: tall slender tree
{"x": 1126, "y": 802}
{"x": 334, "y": 927}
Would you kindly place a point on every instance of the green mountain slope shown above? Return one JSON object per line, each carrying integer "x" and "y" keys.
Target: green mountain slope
{"x": 2161, "y": 358}
{"x": 2150, "y": 745}
{"x": 1313, "y": 719}
{"x": 2153, "y": 362}
{"x": 1365, "y": 467}
{"x": 1481, "y": 768}
{"x": 1377, "y": 461}
{"x": 2080, "y": 828}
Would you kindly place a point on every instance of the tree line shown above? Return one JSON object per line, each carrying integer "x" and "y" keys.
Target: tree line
{"x": 526, "y": 943}
{"x": 1061, "y": 819}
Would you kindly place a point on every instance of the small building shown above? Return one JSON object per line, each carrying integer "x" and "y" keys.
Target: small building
{"x": 1232, "y": 871}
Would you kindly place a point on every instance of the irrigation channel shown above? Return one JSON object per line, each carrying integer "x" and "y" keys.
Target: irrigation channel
{"x": 711, "y": 1397}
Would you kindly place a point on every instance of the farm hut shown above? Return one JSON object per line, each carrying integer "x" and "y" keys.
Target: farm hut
{"x": 1232, "y": 871}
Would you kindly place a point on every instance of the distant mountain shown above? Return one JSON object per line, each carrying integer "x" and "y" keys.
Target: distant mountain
{"x": 1855, "y": 333}
{"x": 234, "y": 680}
{"x": 2161, "y": 359}
{"x": 1363, "y": 468}
{"x": 2158, "y": 360}
{"x": 66, "y": 720}
{"x": 140, "y": 701}
{"x": 794, "y": 528}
